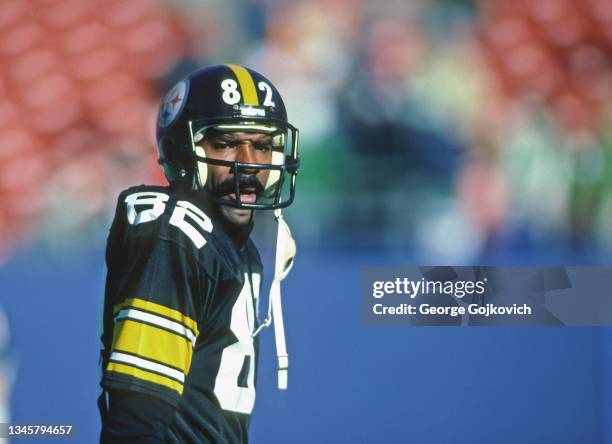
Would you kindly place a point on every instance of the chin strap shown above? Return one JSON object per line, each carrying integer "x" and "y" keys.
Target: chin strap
{"x": 285, "y": 253}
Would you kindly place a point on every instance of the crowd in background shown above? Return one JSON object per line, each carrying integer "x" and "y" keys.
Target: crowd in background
{"x": 456, "y": 131}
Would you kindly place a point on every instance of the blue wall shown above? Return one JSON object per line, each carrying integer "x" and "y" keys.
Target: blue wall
{"x": 348, "y": 382}
{"x": 606, "y": 368}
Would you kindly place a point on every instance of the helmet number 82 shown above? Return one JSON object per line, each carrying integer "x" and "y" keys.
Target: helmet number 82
{"x": 231, "y": 95}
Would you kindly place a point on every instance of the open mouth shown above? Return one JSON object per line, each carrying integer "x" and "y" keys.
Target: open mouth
{"x": 248, "y": 195}
{"x": 249, "y": 186}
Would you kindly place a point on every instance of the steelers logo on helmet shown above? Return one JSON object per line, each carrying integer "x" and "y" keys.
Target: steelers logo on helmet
{"x": 173, "y": 103}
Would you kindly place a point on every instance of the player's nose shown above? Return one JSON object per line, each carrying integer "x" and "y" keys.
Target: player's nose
{"x": 246, "y": 154}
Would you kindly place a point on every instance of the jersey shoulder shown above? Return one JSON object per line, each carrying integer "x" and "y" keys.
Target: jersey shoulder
{"x": 148, "y": 214}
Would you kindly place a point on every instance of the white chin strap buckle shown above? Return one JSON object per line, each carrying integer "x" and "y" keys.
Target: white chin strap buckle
{"x": 285, "y": 253}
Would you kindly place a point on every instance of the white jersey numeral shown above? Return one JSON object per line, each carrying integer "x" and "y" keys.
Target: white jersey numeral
{"x": 240, "y": 355}
{"x": 157, "y": 201}
{"x": 185, "y": 216}
{"x": 185, "y": 209}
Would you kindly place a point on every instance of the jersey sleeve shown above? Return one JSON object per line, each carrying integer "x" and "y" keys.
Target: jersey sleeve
{"x": 153, "y": 313}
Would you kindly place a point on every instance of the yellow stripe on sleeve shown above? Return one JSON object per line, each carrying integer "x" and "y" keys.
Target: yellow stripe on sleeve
{"x": 160, "y": 310}
{"x": 153, "y": 343}
{"x": 145, "y": 376}
{"x": 247, "y": 86}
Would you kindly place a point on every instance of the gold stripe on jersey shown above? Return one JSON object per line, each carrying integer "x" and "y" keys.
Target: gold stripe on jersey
{"x": 153, "y": 343}
{"x": 145, "y": 376}
{"x": 160, "y": 310}
{"x": 247, "y": 86}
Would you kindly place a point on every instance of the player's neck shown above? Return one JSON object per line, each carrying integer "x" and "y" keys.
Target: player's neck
{"x": 238, "y": 233}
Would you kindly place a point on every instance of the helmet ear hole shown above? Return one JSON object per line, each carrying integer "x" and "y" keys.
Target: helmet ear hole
{"x": 176, "y": 168}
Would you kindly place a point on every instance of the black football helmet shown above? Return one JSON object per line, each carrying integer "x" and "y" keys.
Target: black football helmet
{"x": 227, "y": 98}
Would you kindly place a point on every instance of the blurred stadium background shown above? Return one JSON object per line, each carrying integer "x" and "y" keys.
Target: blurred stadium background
{"x": 433, "y": 132}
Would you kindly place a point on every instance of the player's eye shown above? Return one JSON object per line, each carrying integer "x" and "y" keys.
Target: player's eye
{"x": 263, "y": 146}
{"x": 220, "y": 145}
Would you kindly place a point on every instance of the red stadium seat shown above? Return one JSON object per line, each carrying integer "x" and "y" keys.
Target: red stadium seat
{"x": 20, "y": 38}
{"x": 11, "y": 11}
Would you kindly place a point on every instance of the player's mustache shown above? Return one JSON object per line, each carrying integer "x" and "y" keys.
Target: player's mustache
{"x": 245, "y": 181}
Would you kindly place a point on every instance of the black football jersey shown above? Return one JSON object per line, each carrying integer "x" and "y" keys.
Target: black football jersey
{"x": 179, "y": 312}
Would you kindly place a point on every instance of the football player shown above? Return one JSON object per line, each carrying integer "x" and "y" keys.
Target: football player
{"x": 179, "y": 323}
